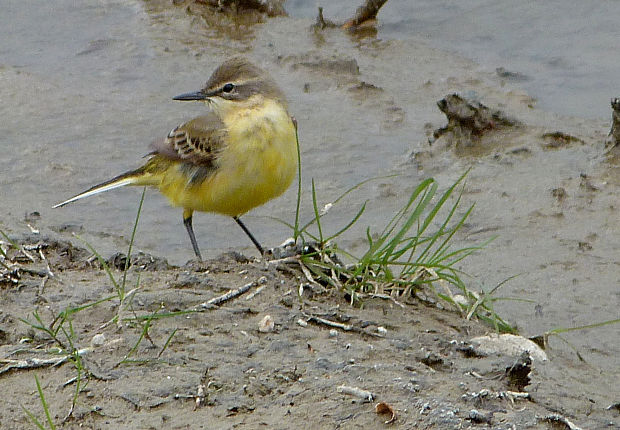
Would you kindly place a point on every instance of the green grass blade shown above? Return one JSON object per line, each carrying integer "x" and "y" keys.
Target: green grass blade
{"x": 131, "y": 241}
{"x": 433, "y": 213}
{"x": 557, "y": 331}
{"x": 359, "y": 185}
{"x": 73, "y": 310}
{"x": 11, "y": 241}
{"x": 411, "y": 219}
{"x": 316, "y": 214}
{"x": 349, "y": 224}
{"x": 44, "y": 403}
{"x": 167, "y": 342}
{"x": 343, "y": 195}
{"x": 143, "y": 334}
{"x": 296, "y": 231}
{"x": 281, "y": 221}
{"x": 33, "y": 418}
{"x": 421, "y": 189}
{"x": 101, "y": 261}
{"x": 2, "y": 253}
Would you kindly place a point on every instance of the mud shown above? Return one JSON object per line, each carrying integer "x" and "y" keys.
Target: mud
{"x": 217, "y": 367}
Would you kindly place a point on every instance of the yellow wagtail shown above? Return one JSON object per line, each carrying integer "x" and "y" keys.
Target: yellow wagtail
{"x": 239, "y": 156}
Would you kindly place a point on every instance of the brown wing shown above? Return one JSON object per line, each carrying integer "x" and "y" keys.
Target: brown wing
{"x": 197, "y": 142}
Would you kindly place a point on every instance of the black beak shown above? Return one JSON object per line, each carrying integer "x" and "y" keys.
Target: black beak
{"x": 198, "y": 95}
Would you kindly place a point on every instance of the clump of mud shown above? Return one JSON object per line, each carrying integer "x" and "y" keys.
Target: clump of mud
{"x": 470, "y": 119}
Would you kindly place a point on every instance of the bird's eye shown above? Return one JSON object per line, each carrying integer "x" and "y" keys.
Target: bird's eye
{"x": 228, "y": 88}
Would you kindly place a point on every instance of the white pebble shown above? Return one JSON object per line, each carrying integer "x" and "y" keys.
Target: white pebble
{"x": 333, "y": 333}
{"x": 98, "y": 340}
{"x": 266, "y": 325}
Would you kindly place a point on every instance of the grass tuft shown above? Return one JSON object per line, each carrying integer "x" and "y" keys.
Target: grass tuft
{"x": 411, "y": 255}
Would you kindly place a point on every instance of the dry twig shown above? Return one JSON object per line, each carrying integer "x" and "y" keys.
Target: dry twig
{"x": 365, "y": 395}
{"x": 345, "y": 327}
{"x": 216, "y": 301}
{"x": 33, "y": 362}
{"x": 365, "y": 16}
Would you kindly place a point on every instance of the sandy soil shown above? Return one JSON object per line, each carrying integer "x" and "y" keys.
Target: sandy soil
{"x": 214, "y": 368}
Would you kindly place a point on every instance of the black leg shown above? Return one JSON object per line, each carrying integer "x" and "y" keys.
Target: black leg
{"x": 187, "y": 220}
{"x": 254, "y": 241}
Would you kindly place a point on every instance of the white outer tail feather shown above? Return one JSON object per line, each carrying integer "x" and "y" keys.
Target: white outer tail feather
{"x": 97, "y": 189}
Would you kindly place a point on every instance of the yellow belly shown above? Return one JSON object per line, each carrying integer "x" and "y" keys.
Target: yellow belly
{"x": 258, "y": 164}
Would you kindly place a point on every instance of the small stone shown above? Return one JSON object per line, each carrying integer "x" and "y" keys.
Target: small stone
{"x": 507, "y": 344}
{"x": 98, "y": 340}
{"x": 266, "y": 325}
{"x": 333, "y": 333}
{"x": 479, "y": 417}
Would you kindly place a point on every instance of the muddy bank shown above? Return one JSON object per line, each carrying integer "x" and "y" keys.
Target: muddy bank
{"x": 200, "y": 365}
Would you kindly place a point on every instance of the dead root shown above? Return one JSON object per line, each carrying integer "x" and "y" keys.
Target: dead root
{"x": 365, "y": 17}
{"x": 365, "y": 14}
{"x": 613, "y": 140}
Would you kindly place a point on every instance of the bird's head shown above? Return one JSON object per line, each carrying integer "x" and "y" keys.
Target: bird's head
{"x": 235, "y": 84}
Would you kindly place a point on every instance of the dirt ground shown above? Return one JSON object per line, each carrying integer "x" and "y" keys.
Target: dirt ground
{"x": 213, "y": 367}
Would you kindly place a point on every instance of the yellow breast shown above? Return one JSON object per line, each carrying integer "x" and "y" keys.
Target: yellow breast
{"x": 258, "y": 163}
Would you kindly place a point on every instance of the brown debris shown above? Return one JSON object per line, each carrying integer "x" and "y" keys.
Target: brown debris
{"x": 15, "y": 262}
{"x": 365, "y": 17}
{"x": 384, "y": 408}
{"x": 268, "y": 7}
{"x": 365, "y": 14}
{"x": 559, "y": 193}
{"x": 470, "y": 118}
{"x": 322, "y": 23}
{"x": 559, "y": 139}
{"x": 613, "y": 139}
{"x": 587, "y": 183}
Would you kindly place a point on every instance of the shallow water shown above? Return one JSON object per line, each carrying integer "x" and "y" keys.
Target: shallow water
{"x": 85, "y": 93}
{"x": 564, "y": 53}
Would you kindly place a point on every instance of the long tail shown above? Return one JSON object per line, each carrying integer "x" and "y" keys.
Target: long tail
{"x": 140, "y": 176}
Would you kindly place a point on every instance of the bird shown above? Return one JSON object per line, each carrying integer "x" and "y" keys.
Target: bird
{"x": 238, "y": 156}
